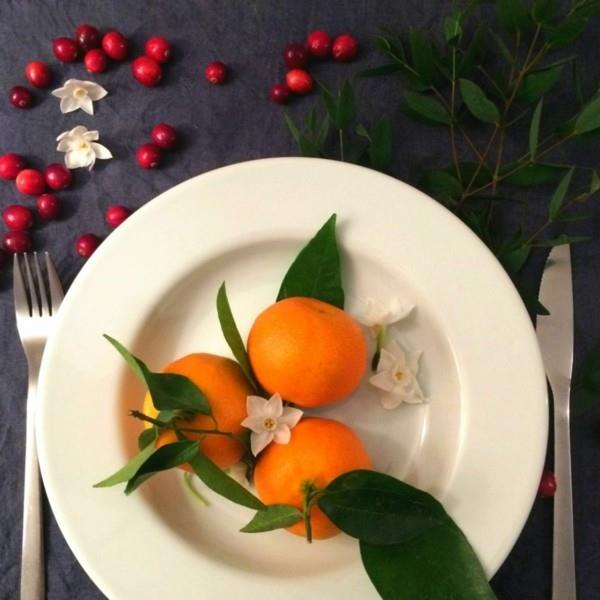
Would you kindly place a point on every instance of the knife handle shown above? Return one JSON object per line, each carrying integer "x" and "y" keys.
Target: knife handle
{"x": 563, "y": 556}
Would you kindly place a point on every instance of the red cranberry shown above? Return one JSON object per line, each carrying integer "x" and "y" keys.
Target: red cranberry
{"x": 148, "y": 156}
{"x": 11, "y": 165}
{"x": 87, "y": 37}
{"x": 146, "y": 71}
{"x": 318, "y": 44}
{"x": 114, "y": 43}
{"x": 31, "y": 182}
{"x": 48, "y": 206}
{"x": 57, "y": 176}
{"x": 295, "y": 56}
{"x": 3, "y": 258}
{"x": 216, "y": 73}
{"x": 344, "y": 48}
{"x": 280, "y": 93}
{"x": 547, "y": 487}
{"x": 86, "y": 244}
{"x": 16, "y": 242}
{"x": 164, "y": 136}
{"x": 299, "y": 81}
{"x": 20, "y": 97}
{"x": 158, "y": 48}
{"x": 65, "y": 49}
{"x": 17, "y": 217}
{"x": 38, "y": 74}
{"x": 116, "y": 214}
{"x": 95, "y": 61}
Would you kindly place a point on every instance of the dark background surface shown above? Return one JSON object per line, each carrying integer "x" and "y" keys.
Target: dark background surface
{"x": 224, "y": 125}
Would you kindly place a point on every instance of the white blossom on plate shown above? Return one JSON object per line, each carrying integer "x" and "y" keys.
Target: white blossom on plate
{"x": 269, "y": 421}
{"x": 81, "y": 147}
{"x": 76, "y": 93}
{"x": 396, "y": 376}
{"x": 378, "y": 315}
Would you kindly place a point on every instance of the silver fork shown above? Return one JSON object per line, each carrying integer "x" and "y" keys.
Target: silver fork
{"x": 36, "y": 303}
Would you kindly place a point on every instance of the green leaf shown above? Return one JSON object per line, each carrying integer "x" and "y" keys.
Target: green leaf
{"x": 129, "y": 470}
{"x": 589, "y": 118}
{"x": 168, "y": 390}
{"x": 330, "y": 102}
{"x": 533, "y": 174}
{"x": 294, "y": 131}
{"x": 163, "y": 458}
{"x": 545, "y": 11}
{"x": 501, "y": 46}
{"x": 273, "y": 516}
{"x": 513, "y": 15}
{"x": 438, "y": 565}
{"x": 595, "y": 183}
{"x": 568, "y": 31}
{"x": 534, "y": 129}
{"x": 232, "y": 335}
{"x": 514, "y": 259}
{"x": 345, "y": 106}
{"x": 561, "y": 240}
{"x": 379, "y": 509}
{"x": 380, "y": 148}
{"x": 480, "y": 106}
{"x": 423, "y": 56}
{"x": 538, "y": 83}
{"x": 452, "y": 30}
{"x": 316, "y": 271}
{"x": 218, "y": 481}
{"x": 442, "y": 185}
{"x": 147, "y": 437}
{"x": 388, "y": 69}
{"x": 558, "y": 197}
{"x": 473, "y": 55}
{"x": 428, "y": 107}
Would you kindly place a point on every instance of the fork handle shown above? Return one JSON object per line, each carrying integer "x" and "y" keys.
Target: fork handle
{"x": 563, "y": 557}
{"x": 32, "y": 555}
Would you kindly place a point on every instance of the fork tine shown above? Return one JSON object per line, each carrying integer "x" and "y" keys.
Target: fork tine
{"x": 22, "y": 303}
{"x": 56, "y": 291}
{"x": 36, "y": 307}
{"x": 41, "y": 284}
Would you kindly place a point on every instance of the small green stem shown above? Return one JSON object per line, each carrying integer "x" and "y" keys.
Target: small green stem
{"x": 452, "y": 107}
{"x": 140, "y": 415}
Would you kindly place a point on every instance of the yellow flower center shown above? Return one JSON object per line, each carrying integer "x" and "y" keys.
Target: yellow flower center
{"x": 270, "y": 423}
{"x": 398, "y": 374}
{"x": 79, "y": 92}
{"x": 84, "y": 145}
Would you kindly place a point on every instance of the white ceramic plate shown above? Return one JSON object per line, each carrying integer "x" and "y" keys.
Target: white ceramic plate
{"x": 478, "y": 445}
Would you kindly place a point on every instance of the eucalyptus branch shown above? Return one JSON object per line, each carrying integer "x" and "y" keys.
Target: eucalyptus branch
{"x": 452, "y": 106}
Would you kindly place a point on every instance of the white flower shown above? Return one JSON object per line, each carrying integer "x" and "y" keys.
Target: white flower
{"x": 396, "y": 375}
{"x": 76, "y": 94}
{"x": 378, "y": 315}
{"x": 80, "y": 147}
{"x": 269, "y": 421}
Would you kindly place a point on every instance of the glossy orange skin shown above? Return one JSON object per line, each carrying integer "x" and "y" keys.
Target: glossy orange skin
{"x": 319, "y": 451}
{"x": 226, "y": 389}
{"x": 311, "y": 352}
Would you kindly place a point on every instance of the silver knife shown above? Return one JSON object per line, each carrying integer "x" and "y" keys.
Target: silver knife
{"x": 555, "y": 336}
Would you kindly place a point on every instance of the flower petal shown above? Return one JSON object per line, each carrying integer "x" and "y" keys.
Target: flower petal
{"x": 76, "y": 159}
{"x": 60, "y": 92}
{"x": 290, "y": 416}
{"x": 259, "y": 441}
{"x": 387, "y": 361}
{"x": 101, "y": 152}
{"x": 384, "y": 381}
{"x": 370, "y": 314}
{"x": 255, "y": 406}
{"x": 64, "y": 145}
{"x": 91, "y": 136}
{"x": 397, "y": 311}
{"x": 78, "y": 131}
{"x": 282, "y": 434}
{"x": 412, "y": 360}
{"x": 395, "y": 349}
{"x": 68, "y": 104}
{"x": 389, "y": 401}
{"x": 274, "y": 407}
{"x": 94, "y": 90}
{"x": 86, "y": 105}
{"x": 255, "y": 423}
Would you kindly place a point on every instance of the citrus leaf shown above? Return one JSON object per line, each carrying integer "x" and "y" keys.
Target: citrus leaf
{"x": 589, "y": 118}
{"x": 232, "y": 335}
{"x": 316, "y": 271}
{"x": 538, "y": 83}
{"x": 480, "y": 106}
{"x": 534, "y": 129}
{"x": 513, "y": 260}
{"x": 423, "y": 56}
{"x": 273, "y": 516}
{"x": 129, "y": 470}
{"x": 163, "y": 458}
{"x": 558, "y": 197}
{"x": 148, "y": 436}
{"x": 561, "y": 240}
{"x": 168, "y": 390}
{"x": 428, "y": 107}
{"x": 218, "y": 481}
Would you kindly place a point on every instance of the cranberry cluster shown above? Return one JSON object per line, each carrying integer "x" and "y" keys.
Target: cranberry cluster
{"x": 318, "y": 45}
{"x": 147, "y": 69}
{"x": 38, "y": 74}
{"x": 164, "y": 137}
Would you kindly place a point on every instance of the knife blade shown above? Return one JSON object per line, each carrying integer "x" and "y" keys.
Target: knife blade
{"x": 555, "y": 337}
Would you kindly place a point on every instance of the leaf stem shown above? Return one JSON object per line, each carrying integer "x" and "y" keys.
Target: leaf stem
{"x": 136, "y": 414}
{"x": 452, "y": 106}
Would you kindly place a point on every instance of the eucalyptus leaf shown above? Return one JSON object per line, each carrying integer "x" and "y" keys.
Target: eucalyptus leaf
{"x": 273, "y": 516}
{"x": 513, "y": 15}
{"x": 428, "y": 107}
{"x": 452, "y": 30}
{"x": 545, "y": 11}
{"x": 129, "y": 470}
{"x": 380, "y": 147}
{"x": 294, "y": 131}
{"x": 595, "y": 182}
{"x": 232, "y": 335}
{"x": 442, "y": 185}
{"x": 163, "y": 458}
{"x": 534, "y": 129}
{"x": 316, "y": 271}
{"x": 473, "y": 55}
{"x": 168, "y": 390}
{"x": 345, "y": 107}
{"x": 501, "y": 46}
{"x": 566, "y": 32}
{"x": 538, "y": 83}
{"x": 589, "y": 117}
{"x": 479, "y": 105}
{"x": 423, "y": 57}
{"x": 532, "y": 174}
{"x": 558, "y": 197}
{"x": 218, "y": 481}
{"x": 514, "y": 259}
